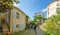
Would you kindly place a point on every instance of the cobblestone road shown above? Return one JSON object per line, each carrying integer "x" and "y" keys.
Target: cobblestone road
{"x": 40, "y": 31}
{"x": 26, "y": 32}
{"x": 31, "y": 32}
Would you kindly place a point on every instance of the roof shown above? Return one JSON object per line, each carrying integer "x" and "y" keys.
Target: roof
{"x": 19, "y": 10}
{"x": 52, "y": 2}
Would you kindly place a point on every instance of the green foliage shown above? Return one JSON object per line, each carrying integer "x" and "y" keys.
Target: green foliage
{"x": 58, "y": 11}
{"x": 6, "y": 5}
{"x": 27, "y": 17}
{"x": 16, "y": 1}
{"x": 52, "y": 26}
{"x": 37, "y": 18}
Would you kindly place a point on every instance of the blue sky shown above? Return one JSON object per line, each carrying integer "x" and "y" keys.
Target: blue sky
{"x": 29, "y": 7}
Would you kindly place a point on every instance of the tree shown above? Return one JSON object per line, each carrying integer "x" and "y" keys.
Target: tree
{"x": 6, "y": 5}
{"x": 27, "y": 17}
{"x": 37, "y": 18}
{"x": 52, "y": 25}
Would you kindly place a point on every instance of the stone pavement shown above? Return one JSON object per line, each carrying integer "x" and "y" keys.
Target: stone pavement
{"x": 0, "y": 33}
{"x": 26, "y": 32}
{"x": 40, "y": 31}
{"x": 31, "y": 32}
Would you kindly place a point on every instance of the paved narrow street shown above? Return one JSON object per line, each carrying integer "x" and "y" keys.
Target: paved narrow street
{"x": 40, "y": 31}
{"x": 26, "y": 32}
{"x": 31, "y": 32}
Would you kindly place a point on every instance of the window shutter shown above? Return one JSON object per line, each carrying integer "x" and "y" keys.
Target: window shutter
{"x": 21, "y": 26}
{"x": 8, "y": 16}
{"x": 19, "y": 16}
{"x": 14, "y": 15}
{"x": 14, "y": 27}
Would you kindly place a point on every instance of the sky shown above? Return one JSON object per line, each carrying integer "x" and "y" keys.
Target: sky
{"x": 29, "y": 7}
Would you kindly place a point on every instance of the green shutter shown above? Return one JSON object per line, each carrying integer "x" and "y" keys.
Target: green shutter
{"x": 8, "y": 16}
{"x": 21, "y": 26}
{"x": 14, "y": 27}
{"x": 14, "y": 14}
{"x": 19, "y": 16}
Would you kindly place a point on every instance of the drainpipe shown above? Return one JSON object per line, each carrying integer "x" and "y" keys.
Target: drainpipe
{"x": 11, "y": 20}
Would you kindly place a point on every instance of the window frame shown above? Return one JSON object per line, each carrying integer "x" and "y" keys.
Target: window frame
{"x": 17, "y": 15}
{"x": 17, "y": 26}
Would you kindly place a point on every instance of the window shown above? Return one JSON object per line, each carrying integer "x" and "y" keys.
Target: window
{"x": 48, "y": 11}
{"x": 57, "y": 4}
{"x": 58, "y": 8}
{"x": 17, "y": 26}
{"x": 17, "y": 15}
{"x": 21, "y": 26}
{"x": 2, "y": 20}
{"x": 14, "y": 14}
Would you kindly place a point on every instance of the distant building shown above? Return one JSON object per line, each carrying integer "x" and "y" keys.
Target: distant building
{"x": 52, "y": 8}
{"x": 39, "y": 13}
{"x": 13, "y": 21}
{"x": 40, "y": 21}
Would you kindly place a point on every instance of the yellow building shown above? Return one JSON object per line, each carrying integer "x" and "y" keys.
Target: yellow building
{"x": 13, "y": 21}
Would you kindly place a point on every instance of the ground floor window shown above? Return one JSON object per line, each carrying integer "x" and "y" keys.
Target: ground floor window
{"x": 17, "y": 26}
{"x": 2, "y": 20}
{"x": 21, "y": 26}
